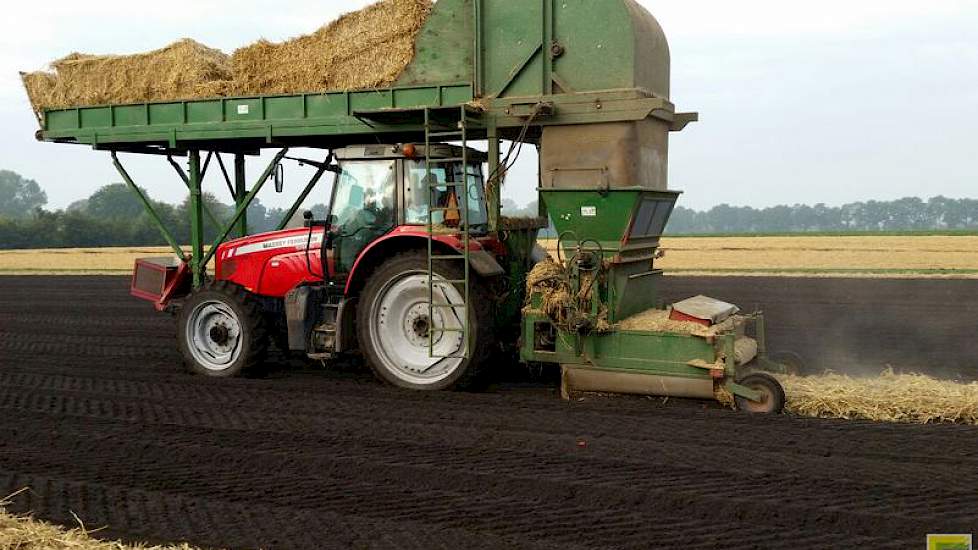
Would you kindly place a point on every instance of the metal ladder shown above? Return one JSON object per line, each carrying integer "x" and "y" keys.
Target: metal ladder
{"x": 458, "y": 310}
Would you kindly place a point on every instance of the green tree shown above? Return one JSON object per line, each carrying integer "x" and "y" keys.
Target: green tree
{"x": 114, "y": 202}
{"x": 19, "y": 197}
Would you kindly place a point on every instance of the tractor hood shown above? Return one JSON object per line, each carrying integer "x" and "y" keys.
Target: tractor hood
{"x": 275, "y": 242}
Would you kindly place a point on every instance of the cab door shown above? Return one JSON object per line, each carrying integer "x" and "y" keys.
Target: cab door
{"x": 363, "y": 208}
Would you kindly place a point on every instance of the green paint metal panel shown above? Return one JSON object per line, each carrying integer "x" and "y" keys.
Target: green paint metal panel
{"x": 130, "y": 115}
{"x": 604, "y": 215}
{"x": 596, "y": 215}
{"x": 62, "y": 120}
{"x": 166, "y": 114}
{"x": 99, "y": 117}
{"x": 244, "y": 110}
{"x": 598, "y": 54}
{"x": 285, "y": 108}
{"x": 654, "y": 353}
{"x": 326, "y": 106}
{"x": 203, "y": 112}
{"x": 456, "y": 95}
{"x": 300, "y": 115}
{"x": 374, "y": 101}
{"x": 329, "y": 115}
{"x": 416, "y": 97}
{"x": 513, "y": 39}
{"x": 444, "y": 51}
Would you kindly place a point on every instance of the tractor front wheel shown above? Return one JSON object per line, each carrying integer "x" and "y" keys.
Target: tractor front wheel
{"x": 411, "y": 345}
{"x": 222, "y": 332}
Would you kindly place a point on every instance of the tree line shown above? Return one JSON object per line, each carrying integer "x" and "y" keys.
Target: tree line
{"x": 113, "y": 216}
{"x": 907, "y": 214}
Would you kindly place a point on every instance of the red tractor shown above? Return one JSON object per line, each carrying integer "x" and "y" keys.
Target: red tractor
{"x": 359, "y": 279}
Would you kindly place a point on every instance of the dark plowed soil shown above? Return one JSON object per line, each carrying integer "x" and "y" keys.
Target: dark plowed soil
{"x": 99, "y": 420}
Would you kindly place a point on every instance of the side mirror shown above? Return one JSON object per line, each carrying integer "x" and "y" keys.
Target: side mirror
{"x": 279, "y": 178}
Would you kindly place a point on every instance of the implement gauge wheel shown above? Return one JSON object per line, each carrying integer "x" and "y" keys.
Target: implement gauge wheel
{"x": 772, "y": 394}
{"x": 396, "y": 329}
{"x": 222, "y": 332}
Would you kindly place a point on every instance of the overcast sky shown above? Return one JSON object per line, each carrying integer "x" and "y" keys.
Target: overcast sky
{"x": 801, "y": 102}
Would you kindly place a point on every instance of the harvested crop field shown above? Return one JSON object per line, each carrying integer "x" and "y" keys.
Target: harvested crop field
{"x": 76, "y": 261}
{"x": 99, "y": 421}
{"x": 830, "y": 256}
{"x": 860, "y": 256}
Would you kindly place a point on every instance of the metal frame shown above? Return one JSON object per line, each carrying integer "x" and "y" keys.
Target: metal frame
{"x": 245, "y": 125}
{"x": 193, "y": 180}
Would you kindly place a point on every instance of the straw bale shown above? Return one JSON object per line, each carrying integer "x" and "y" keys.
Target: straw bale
{"x": 18, "y": 532}
{"x": 183, "y": 70}
{"x": 902, "y": 398}
{"x": 365, "y": 49}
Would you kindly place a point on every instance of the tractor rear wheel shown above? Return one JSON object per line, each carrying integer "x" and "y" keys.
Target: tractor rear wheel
{"x": 222, "y": 332}
{"x": 408, "y": 346}
{"x": 772, "y": 394}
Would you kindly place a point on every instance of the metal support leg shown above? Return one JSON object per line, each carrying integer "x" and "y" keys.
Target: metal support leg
{"x": 494, "y": 187}
{"x": 541, "y": 204}
{"x": 240, "y": 192}
{"x": 186, "y": 180}
{"x": 197, "y": 264}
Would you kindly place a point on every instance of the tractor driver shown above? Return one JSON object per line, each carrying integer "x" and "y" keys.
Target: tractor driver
{"x": 425, "y": 186}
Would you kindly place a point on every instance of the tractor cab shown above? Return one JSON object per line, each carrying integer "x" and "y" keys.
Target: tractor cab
{"x": 391, "y": 271}
{"x": 380, "y": 188}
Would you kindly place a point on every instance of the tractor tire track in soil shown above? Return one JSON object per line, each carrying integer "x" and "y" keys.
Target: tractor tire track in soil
{"x": 98, "y": 418}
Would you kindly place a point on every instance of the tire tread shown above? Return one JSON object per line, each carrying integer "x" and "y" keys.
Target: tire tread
{"x": 254, "y": 322}
{"x": 474, "y": 374}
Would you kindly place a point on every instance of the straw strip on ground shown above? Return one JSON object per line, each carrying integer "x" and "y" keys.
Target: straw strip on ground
{"x": 891, "y": 397}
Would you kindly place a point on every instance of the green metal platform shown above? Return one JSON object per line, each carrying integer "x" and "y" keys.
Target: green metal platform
{"x": 523, "y": 63}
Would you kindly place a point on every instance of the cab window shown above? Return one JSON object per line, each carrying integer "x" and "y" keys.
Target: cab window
{"x": 363, "y": 207}
{"x": 419, "y": 194}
